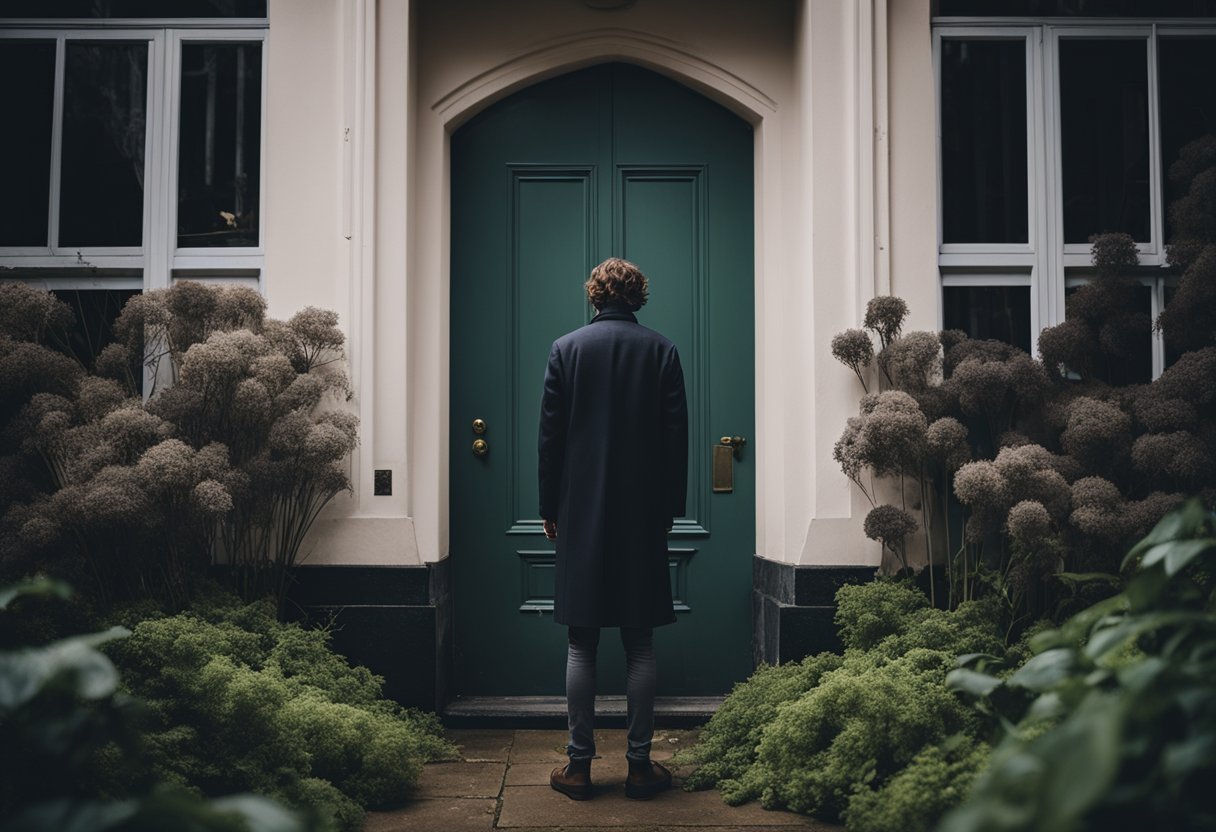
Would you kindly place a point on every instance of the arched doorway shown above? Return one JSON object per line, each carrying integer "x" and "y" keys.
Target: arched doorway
{"x": 610, "y": 160}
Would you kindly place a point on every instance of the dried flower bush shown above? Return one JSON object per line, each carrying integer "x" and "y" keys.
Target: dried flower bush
{"x": 230, "y": 459}
{"x": 1044, "y": 466}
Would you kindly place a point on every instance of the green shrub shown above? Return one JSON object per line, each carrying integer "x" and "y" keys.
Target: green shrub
{"x": 1112, "y": 723}
{"x": 868, "y": 613}
{"x": 245, "y": 702}
{"x": 72, "y": 752}
{"x": 914, "y": 800}
{"x": 726, "y": 747}
{"x": 862, "y": 724}
{"x": 809, "y": 736}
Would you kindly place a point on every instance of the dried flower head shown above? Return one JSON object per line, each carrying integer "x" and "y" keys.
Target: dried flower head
{"x": 1067, "y": 346}
{"x": 885, "y": 315}
{"x": 946, "y": 441}
{"x": 891, "y": 438}
{"x": 1098, "y": 433}
{"x": 846, "y": 452}
{"x": 1179, "y": 459}
{"x": 166, "y": 466}
{"x": 1098, "y": 509}
{"x": 1029, "y": 523}
{"x": 1114, "y": 253}
{"x": 914, "y": 360}
{"x": 27, "y": 314}
{"x": 890, "y": 526}
{"x": 212, "y": 498}
{"x": 854, "y": 349}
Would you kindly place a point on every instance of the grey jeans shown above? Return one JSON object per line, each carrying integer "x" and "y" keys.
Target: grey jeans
{"x": 640, "y": 680}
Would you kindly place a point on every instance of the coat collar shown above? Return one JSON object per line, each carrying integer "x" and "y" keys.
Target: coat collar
{"x": 615, "y": 313}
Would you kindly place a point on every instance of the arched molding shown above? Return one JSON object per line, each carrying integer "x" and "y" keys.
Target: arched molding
{"x": 566, "y": 54}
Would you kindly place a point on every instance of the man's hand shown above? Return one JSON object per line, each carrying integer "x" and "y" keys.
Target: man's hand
{"x": 551, "y": 529}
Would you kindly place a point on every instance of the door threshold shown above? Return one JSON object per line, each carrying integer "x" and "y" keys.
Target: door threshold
{"x": 550, "y": 711}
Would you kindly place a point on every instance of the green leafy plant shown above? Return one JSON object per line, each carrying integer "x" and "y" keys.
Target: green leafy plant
{"x": 71, "y": 748}
{"x": 806, "y": 736}
{"x": 1112, "y": 723}
{"x": 242, "y": 701}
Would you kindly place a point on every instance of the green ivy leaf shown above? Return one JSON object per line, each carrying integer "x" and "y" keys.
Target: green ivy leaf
{"x": 1046, "y": 670}
{"x": 971, "y": 682}
{"x": 33, "y": 586}
{"x": 24, "y": 673}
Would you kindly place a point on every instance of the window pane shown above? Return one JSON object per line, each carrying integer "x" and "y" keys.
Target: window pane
{"x": 1186, "y": 67}
{"x": 102, "y": 191}
{"x": 219, "y": 148}
{"x": 25, "y": 143}
{"x": 983, "y": 102}
{"x": 1074, "y": 8}
{"x": 998, "y": 312}
{"x": 1104, "y": 125}
{"x": 95, "y": 311}
{"x": 133, "y": 8}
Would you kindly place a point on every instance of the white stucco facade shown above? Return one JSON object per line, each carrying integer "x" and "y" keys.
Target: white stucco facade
{"x": 362, "y": 97}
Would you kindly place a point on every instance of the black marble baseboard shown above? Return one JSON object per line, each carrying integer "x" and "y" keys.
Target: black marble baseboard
{"x": 793, "y": 608}
{"x": 394, "y": 620}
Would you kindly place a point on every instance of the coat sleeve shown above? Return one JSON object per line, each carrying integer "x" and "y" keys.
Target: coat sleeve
{"x": 675, "y": 436}
{"x": 551, "y": 444}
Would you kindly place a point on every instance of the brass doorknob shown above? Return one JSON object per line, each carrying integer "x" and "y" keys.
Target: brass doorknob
{"x": 480, "y": 447}
{"x": 735, "y": 443}
{"x": 479, "y": 426}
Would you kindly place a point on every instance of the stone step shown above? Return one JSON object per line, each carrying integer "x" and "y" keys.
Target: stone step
{"x": 550, "y": 711}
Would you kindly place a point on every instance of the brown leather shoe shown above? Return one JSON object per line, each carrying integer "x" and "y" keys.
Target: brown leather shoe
{"x": 645, "y": 780}
{"x": 573, "y": 779}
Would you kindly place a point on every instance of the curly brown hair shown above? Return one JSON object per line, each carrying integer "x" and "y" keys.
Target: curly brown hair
{"x": 617, "y": 281}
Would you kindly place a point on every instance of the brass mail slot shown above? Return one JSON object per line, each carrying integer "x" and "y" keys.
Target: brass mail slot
{"x": 724, "y": 469}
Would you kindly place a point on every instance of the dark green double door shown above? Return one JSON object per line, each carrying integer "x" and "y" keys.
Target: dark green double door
{"x": 611, "y": 160}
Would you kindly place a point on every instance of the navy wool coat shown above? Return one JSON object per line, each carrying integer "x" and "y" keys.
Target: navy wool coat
{"x": 613, "y": 470}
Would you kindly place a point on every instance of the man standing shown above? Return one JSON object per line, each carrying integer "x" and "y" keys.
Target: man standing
{"x": 613, "y": 476}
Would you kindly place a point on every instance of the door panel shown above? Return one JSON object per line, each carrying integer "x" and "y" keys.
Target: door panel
{"x": 545, "y": 184}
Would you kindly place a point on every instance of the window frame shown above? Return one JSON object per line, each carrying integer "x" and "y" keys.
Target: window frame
{"x": 1048, "y": 263}
{"x": 159, "y": 258}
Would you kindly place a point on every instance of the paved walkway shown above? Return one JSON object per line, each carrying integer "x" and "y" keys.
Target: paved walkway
{"x": 502, "y": 782}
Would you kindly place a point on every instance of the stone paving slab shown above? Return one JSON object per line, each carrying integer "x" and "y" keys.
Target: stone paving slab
{"x": 438, "y": 814}
{"x": 481, "y": 746}
{"x": 461, "y": 780}
{"x": 502, "y": 782}
{"x": 602, "y": 771}
{"x": 534, "y": 806}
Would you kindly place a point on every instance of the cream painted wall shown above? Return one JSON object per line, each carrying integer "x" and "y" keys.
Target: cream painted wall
{"x": 362, "y": 98}
{"x": 913, "y": 164}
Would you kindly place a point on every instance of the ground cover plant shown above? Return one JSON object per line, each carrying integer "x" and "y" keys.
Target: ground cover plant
{"x": 1112, "y": 723}
{"x": 239, "y": 444}
{"x": 72, "y": 751}
{"x": 243, "y": 702}
{"x": 802, "y": 736}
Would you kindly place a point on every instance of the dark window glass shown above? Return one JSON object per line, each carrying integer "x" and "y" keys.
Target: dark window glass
{"x": 132, "y": 8}
{"x": 104, "y": 114}
{"x": 218, "y": 152}
{"x": 997, "y": 312}
{"x": 1074, "y": 8}
{"x": 1133, "y": 365}
{"x": 983, "y": 101}
{"x": 27, "y": 97}
{"x": 1186, "y": 69}
{"x": 1104, "y": 141}
{"x": 96, "y": 311}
